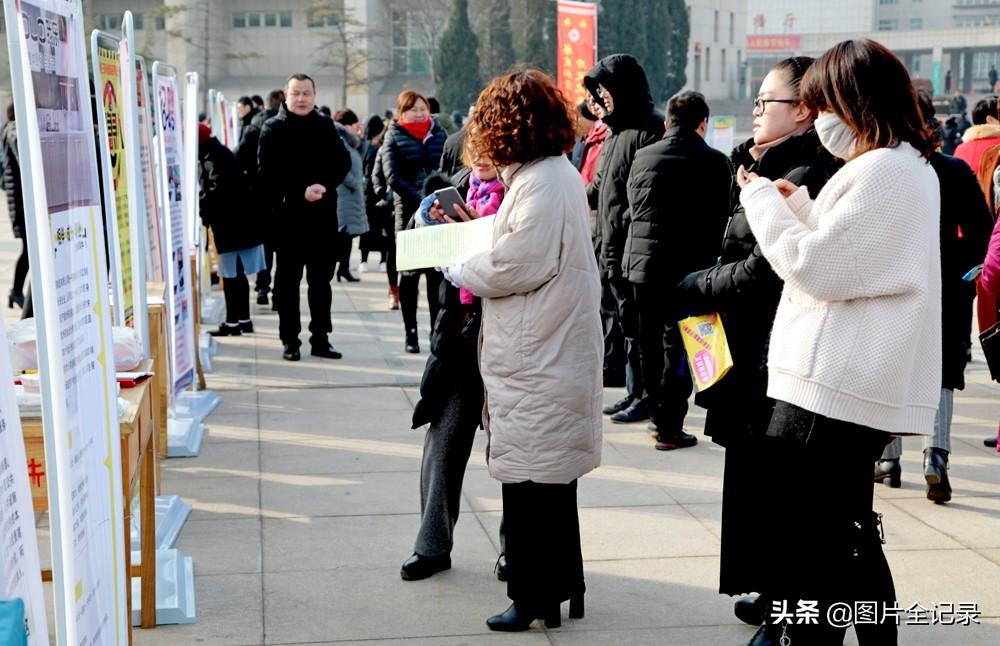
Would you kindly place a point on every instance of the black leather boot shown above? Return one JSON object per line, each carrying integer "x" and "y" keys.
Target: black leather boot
{"x": 936, "y": 475}
{"x": 515, "y": 619}
{"x": 891, "y": 470}
{"x": 751, "y": 610}
{"x": 419, "y": 567}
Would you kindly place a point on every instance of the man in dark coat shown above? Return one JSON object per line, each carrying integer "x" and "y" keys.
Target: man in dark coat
{"x": 619, "y": 86}
{"x": 301, "y": 160}
{"x": 679, "y": 190}
{"x": 247, "y": 154}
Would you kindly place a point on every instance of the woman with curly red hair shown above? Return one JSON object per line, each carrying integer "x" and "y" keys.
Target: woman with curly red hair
{"x": 542, "y": 346}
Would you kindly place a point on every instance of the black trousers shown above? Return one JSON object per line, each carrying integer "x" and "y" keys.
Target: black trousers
{"x": 666, "y": 376}
{"x": 21, "y": 269}
{"x": 614, "y": 340}
{"x": 344, "y": 243}
{"x": 829, "y": 549}
{"x": 319, "y": 265}
{"x": 237, "y": 294}
{"x": 544, "y": 557}
{"x": 264, "y": 277}
{"x": 621, "y": 291}
{"x": 409, "y": 290}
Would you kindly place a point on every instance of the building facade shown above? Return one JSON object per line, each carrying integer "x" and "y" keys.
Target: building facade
{"x": 951, "y": 43}
{"x": 717, "y": 47}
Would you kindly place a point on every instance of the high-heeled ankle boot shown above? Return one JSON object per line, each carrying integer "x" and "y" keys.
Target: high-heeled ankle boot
{"x": 393, "y": 298}
{"x": 890, "y": 469}
{"x": 576, "y": 609}
{"x": 936, "y": 475}
{"x": 515, "y": 619}
{"x": 751, "y": 610}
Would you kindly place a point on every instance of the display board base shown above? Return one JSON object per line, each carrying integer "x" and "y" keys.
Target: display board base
{"x": 184, "y": 436}
{"x": 174, "y": 589}
{"x": 213, "y": 308}
{"x": 207, "y": 348}
{"x": 171, "y": 514}
{"x": 197, "y": 404}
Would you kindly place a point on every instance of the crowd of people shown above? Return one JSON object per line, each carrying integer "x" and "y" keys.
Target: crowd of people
{"x": 836, "y": 245}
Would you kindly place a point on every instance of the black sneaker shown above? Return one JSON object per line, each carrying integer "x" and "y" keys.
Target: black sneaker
{"x": 291, "y": 354}
{"x": 261, "y": 297}
{"x": 618, "y": 406}
{"x": 677, "y": 440}
{"x": 246, "y": 327}
{"x": 990, "y": 442}
{"x": 326, "y": 352}
{"x": 227, "y": 329}
{"x": 637, "y": 412}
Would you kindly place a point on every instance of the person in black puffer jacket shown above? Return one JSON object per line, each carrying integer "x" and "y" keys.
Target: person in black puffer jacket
{"x": 247, "y": 155}
{"x": 302, "y": 160}
{"x": 673, "y": 228}
{"x": 227, "y": 207}
{"x": 411, "y": 150}
{"x": 745, "y": 291}
{"x": 15, "y": 204}
{"x": 618, "y": 84}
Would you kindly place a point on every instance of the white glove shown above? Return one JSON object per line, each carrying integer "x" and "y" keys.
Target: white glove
{"x": 453, "y": 275}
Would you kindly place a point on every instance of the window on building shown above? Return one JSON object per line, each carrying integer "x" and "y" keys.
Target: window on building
{"x": 981, "y": 63}
{"x": 285, "y": 18}
{"x": 136, "y": 21}
{"x": 715, "y": 28}
{"x": 916, "y": 23}
{"x": 732, "y": 28}
{"x": 708, "y": 63}
{"x": 253, "y": 19}
{"x": 408, "y": 57}
{"x": 722, "y": 66}
{"x": 271, "y": 19}
{"x": 161, "y": 23}
{"x": 887, "y": 25}
{"x": 320, "y": 19}
{"x": 887, "y": 1}
{"x": 239, "y": 20}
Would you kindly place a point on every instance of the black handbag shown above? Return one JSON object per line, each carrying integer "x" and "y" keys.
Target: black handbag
{"x": 990, "y": 340}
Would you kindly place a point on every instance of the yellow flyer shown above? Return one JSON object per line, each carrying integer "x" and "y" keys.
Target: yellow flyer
{"x": 707, "y": 349}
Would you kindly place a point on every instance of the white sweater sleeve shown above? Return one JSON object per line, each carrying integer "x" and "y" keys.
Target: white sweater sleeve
{"x": 858, "y": 247}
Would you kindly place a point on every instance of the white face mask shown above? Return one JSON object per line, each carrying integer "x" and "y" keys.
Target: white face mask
{"x": 835, "y": 135}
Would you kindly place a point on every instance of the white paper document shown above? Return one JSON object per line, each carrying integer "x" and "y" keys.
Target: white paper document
{"x": 441, "y": 244}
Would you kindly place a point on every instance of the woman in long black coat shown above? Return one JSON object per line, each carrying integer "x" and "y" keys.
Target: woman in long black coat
{"x": 745, "y": 291}
{"x": 410, "y": 152}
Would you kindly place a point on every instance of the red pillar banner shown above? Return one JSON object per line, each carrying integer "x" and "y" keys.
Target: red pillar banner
{"x": 577, "y": 46}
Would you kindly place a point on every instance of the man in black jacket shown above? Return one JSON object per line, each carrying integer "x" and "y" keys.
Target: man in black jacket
{"x": 619, "y": 86}
{"x": 247, "y": 154}
{"x": 679, "y": 191}
{"x": 301, "y": 160}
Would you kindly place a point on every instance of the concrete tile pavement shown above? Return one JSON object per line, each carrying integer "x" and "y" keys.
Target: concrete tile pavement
{"x": 306, "y": 502}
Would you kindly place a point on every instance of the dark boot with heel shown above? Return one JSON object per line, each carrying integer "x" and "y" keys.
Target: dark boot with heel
{"x": 936, "y": 475}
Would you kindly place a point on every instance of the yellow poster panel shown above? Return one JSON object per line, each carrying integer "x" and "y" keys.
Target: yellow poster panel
{"x": 110, "y": 96}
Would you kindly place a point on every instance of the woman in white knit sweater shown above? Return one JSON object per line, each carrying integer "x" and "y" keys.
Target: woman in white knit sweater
{"x": 855, "y": 350}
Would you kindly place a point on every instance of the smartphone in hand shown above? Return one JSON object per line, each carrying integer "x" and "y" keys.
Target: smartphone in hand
{"x": 448, "y": 197}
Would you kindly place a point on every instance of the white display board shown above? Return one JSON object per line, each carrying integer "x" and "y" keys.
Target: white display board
{"x": 124, "y": 213}
{"x": 50, "y": 84}
{"x": 20, "y": 570}
{"x": 155, "y": 235}
{"x": 191, "y": 157}
{"x": 170, "y": 151}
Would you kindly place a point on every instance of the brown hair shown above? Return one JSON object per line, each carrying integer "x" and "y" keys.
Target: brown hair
{"x": 407, "y": 99}
{"x": 520, "y": 117}
{"x": 869, "y": 88}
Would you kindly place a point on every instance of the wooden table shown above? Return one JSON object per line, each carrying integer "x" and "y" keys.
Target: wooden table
{"x": 158, "y": 340}
{"x": 138, "y": 432}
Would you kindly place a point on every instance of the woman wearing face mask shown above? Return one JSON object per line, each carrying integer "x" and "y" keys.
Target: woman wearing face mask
{"x": 744, "y": 290}
{"x": 862, "y": 292}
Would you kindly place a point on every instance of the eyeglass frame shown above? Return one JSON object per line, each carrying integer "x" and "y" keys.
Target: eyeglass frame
{"x": 763, "y": 103}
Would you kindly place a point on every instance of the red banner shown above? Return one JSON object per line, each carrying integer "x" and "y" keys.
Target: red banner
{"x": 774, "y": 43}
{"x": 577, "y": 46}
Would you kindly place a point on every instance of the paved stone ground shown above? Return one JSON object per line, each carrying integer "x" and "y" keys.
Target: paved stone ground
{"x": 306, "y": 502}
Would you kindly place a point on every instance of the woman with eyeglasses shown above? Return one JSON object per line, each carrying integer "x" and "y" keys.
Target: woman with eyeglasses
{"x": 745, "y": 291}
{"x": 855, "y": 351}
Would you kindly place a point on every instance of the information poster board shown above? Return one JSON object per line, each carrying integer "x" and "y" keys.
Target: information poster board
{"x": 155, "y": 263}
{"x": 50, "y": 84}
{"x": 180, "y": 304}
{"x": 191, "y": 174}
{"x": 20, "y": 571}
